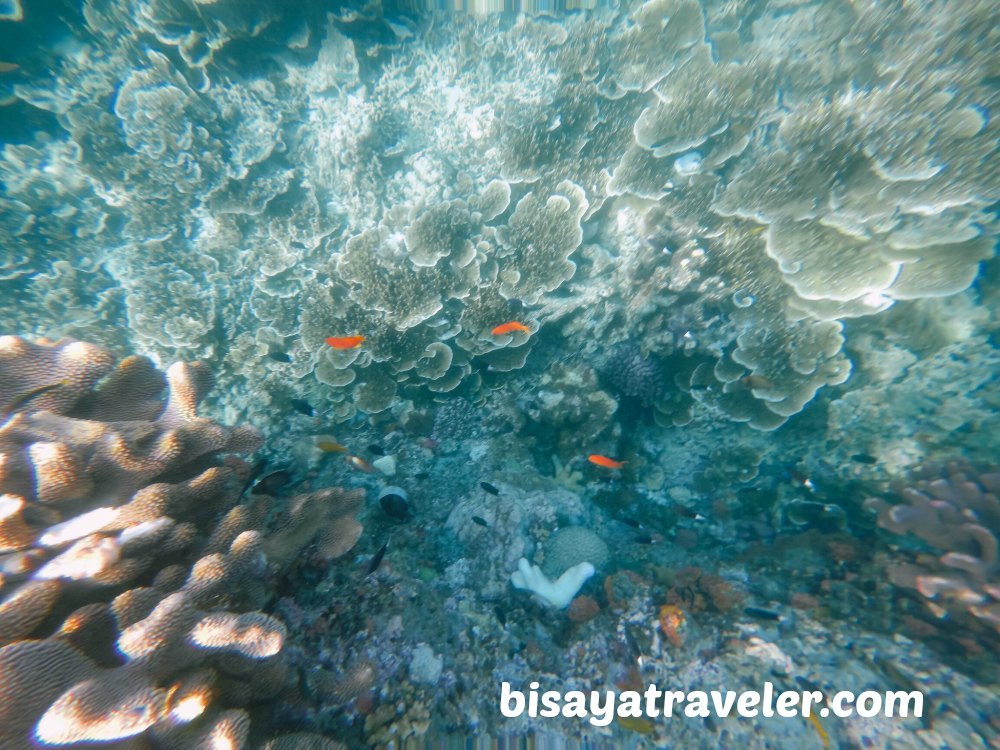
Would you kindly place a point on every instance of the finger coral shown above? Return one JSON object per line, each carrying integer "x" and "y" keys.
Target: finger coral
{"x": 129, "y": 566}
{"x": 954, "y": 509}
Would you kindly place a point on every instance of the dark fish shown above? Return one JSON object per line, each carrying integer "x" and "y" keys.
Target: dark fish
{"x": 304, "y": 686}
{"x": 630, "y": 522}
{"x": 26, "y": 398}
{"x": 480, "y": 520}
{"x": 489, "y": 488}
{"x": 809, "y": 684}
{"x": 376, "y": 449}
{"x": 279, "y": 357}
{"x": 377, "y": 560}
{"x": 686, "y": 512}
{"x": 896, "y": 676}
{"x": 395, "y": 506}
{"x": 501, "y": 615}
{"x": 800, "y": 478}
{"x": 421, "y": 475}
{"x": 633, "y": 647}
{"x": 273, "y": 483}
{"x": 899, "y": 680}
{"x": 255, "y": 471}
{"x": 302, "y": 407}
{"x": 762, "y": 614}
{"x": 643, "y": 538}
{"x": 864, "y": 458}
{"x": 827, "y": 517}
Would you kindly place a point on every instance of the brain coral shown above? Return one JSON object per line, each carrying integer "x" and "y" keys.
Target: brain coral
{"x": 571, "y": 546}
{"x": 130, "y": 569}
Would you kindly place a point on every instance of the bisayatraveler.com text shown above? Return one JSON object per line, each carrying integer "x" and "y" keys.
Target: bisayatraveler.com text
{"x": 602, "y": 707}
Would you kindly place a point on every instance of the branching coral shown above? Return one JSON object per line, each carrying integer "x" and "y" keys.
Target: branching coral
{"x": 954, "y": 509}
{"x": 128, "y": 565}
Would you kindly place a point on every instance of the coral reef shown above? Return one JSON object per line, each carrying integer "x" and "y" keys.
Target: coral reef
{"x": 569, "y": 410}
{"x": 706, "y": 212}
{"x": 954, "y": 509}
{"x": 488, "y": 170}
{"x": 131, "y": 569}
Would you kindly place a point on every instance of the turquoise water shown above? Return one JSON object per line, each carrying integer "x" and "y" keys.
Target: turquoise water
{"x": 692, "y": 305}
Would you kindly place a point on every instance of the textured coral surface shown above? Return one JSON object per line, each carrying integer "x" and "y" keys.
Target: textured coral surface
{"x": 129, "y": 564}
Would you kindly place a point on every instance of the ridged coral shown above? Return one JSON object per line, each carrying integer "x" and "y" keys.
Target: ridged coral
{"x": 129, "y": 565}
{"x": 571, "y": 546}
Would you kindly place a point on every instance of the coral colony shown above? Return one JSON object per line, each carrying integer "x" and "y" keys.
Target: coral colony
{"x": 356, "y": 360}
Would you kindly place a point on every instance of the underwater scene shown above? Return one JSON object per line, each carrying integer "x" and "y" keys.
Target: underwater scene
{"x": 381, "y": 374}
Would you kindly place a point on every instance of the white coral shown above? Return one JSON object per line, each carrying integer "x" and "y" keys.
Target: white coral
{"x": 557, "y": 593}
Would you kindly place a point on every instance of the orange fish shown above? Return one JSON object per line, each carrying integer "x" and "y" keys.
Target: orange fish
{"x": 360, "y": 464}
{"x": 510, "y": 328}
{"x": 330, "y": 446}
{"x": 607, "y": 463}
{"x": 345, "y": 342}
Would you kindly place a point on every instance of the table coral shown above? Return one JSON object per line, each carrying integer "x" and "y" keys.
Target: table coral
{"x": 485, "y": 171}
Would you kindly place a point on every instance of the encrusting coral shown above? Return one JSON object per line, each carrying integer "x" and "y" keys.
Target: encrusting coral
{"x": 127, "y": 563}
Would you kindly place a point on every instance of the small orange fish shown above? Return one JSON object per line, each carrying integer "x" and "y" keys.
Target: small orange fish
{"x": 607, "y": 463}
{"x": 360, "y": 464}
{"x": 510, "y": 328}
{"x": 345, "y": 342}
{"x": 330, "y": 446}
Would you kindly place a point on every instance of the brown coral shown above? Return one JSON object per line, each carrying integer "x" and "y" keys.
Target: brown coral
{"x": 583, "y": 608}
{"x": 106, "y": 479}
{"x": 955, "y": 509}
{"x": 700, "y": 591}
